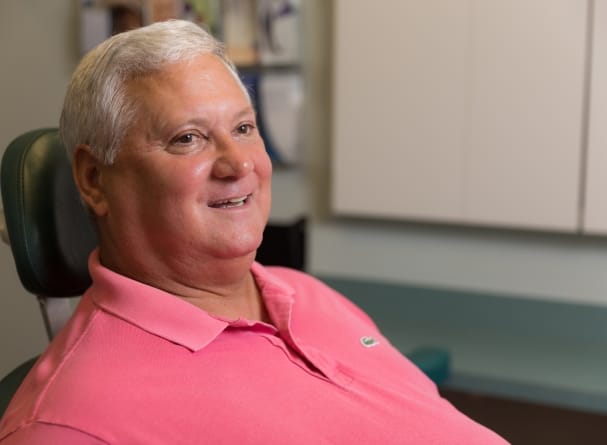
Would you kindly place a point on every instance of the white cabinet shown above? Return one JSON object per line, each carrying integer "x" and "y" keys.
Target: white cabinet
{"x": 461, "y": 111}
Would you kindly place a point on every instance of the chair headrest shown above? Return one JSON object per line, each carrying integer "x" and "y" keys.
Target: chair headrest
{"x": 50, "y": 232}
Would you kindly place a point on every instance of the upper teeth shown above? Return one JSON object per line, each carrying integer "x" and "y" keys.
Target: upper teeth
{"x": 225, "y": 202}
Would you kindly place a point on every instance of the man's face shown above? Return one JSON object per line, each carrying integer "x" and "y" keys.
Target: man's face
{"x": 191, "y": 181}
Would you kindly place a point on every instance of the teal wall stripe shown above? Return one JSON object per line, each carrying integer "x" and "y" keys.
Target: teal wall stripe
{"x": 395, "y": 304}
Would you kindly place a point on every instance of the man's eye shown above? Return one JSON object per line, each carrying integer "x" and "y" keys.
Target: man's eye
{"x": 187, "y": 142}
{"x": 187, "y": 138}
{"x": 244, "y": 128}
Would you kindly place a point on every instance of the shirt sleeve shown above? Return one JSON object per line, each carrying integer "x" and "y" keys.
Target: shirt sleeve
{"x": 44, "y": 434}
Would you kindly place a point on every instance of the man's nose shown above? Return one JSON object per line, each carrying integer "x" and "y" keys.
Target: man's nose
{"x": 233, "y": 160}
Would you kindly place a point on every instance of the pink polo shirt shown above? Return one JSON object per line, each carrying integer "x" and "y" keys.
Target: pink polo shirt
{"x": 136, "y": 365}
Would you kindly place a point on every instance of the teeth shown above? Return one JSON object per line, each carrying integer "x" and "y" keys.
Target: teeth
{"x": 234, "y": 202}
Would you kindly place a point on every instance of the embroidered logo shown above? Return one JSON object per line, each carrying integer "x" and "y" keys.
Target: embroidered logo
{"x": 368, "y": 342}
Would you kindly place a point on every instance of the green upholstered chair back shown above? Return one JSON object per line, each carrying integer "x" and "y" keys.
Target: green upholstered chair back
{"x": 50, "y": 232}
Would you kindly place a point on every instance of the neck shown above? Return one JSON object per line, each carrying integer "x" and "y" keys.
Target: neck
{"x": 240, "y": 300}
{"x": 224, "y": 288}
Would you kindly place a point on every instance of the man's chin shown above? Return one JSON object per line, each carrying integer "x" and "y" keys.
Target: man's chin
{"x": 242, "y": 250}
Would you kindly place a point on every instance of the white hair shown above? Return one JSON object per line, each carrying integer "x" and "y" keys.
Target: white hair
{"x": 97, "y": 110}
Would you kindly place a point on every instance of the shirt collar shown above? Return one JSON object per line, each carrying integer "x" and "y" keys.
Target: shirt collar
{"x": 168, "y": 316}
{"x": 278, "y": 296}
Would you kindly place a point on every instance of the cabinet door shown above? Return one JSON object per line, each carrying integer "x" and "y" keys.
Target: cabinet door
{"x": 595, "y": 208}
{"x": 459, "y": 110}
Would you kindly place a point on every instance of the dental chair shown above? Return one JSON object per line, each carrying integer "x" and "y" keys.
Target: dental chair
{"x": 50, "y": 236}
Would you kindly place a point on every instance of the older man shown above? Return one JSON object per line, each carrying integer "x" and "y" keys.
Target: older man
{"x": 182, "y": 338}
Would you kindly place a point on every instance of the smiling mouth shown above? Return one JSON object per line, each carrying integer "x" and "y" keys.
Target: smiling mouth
{"x": 229, "y": 203}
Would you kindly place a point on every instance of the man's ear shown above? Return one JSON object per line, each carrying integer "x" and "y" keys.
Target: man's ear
{"x": 87, "y": 171}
